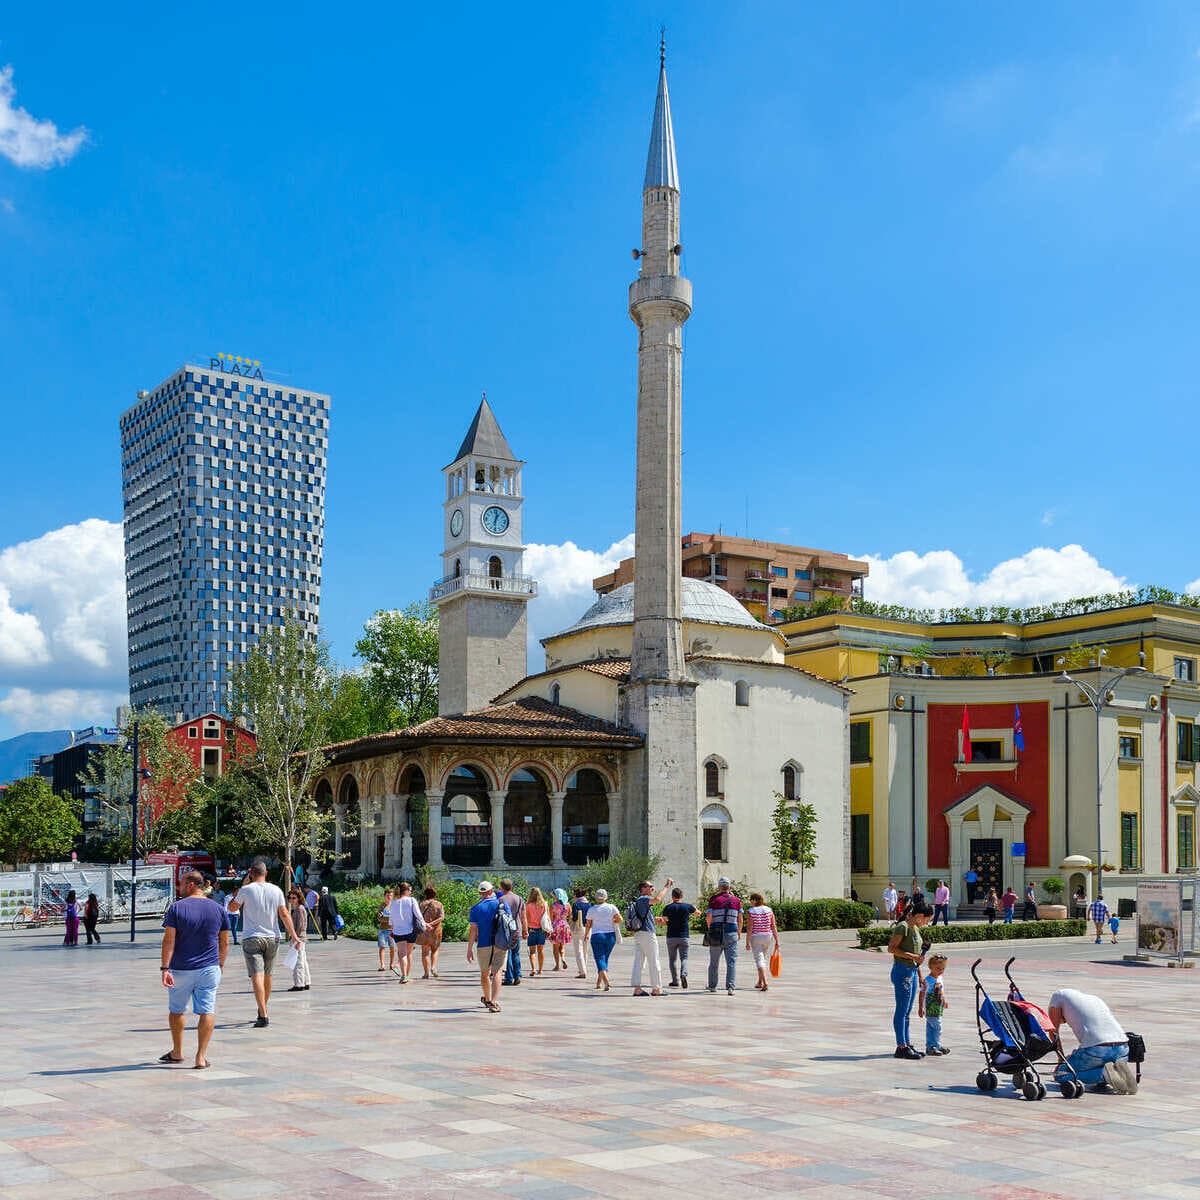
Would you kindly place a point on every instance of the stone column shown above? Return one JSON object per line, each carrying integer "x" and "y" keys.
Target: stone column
{"x": 616, "y": 819}
{"x": 406, "y": 854}
{"x": 391, "y": 833}
{"x": 434, "y": 799}
{"x": 497, "y": 800}
{"x": 556, "y": 830}
{"x": 339, "y": 820}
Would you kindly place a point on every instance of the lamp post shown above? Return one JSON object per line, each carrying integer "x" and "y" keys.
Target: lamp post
{"x": 139, "y": 773}
{"x": 1097, "y": 695}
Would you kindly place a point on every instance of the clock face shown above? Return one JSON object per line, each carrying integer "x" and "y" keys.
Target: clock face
{"x": 456, "y": 520}
{"x": 495, "y": 520}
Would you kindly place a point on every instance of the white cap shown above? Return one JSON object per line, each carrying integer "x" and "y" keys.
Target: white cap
{"x": 485, "y": 886}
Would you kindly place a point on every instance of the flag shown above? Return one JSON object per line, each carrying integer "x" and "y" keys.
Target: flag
{"x": 966, "y": 736}
{"x": 1018, "y": 732}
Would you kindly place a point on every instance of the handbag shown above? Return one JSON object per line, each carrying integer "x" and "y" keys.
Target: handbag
{"x": 546, "y": 926}
{"x": 776, "y": 963}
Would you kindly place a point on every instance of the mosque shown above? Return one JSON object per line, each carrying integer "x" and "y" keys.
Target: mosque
{"x": 665, "y": 718}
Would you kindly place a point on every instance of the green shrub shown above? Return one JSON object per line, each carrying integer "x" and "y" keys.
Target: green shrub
{"x": 619, "y": 875}
{"x": 1053, "y": 887}
{"x": 791, "y": 915}
{"x": 880, "y": 935}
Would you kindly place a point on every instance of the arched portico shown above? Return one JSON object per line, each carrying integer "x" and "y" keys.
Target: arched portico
{"x": 984, "y": 826}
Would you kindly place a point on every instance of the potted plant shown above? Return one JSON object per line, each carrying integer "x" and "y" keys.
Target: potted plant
{"x": 1054, "y": 911}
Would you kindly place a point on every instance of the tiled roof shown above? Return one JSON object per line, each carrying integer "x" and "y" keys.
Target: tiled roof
{"x": 530, "y": 719}
{"x": 610, "y": 668}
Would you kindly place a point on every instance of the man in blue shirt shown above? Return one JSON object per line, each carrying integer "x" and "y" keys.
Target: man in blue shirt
{"x": 481, "y": 934}
{"x": 195, "y": 942}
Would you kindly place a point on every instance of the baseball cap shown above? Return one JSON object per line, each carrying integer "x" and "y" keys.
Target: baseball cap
{"x": 485, "y": 886}
{"x": 723, "y": 882}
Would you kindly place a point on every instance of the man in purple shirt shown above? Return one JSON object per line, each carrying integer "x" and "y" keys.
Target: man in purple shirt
{"x": 195, "y": 942}
{"x": 941, "y": 903}
{"x": 724, "y": 921}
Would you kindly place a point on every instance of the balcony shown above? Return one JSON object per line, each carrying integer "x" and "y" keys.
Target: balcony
{"x": 757, "y": 575}
{"x": 513, "y": 585}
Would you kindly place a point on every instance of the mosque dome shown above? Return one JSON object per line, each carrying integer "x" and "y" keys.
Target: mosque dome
{"x": 703, "y": 603}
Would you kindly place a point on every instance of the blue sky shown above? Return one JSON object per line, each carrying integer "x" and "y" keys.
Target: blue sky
{"x": 944, "y": 261}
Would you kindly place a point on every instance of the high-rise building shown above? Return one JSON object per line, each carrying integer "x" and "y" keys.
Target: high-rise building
{"x": 223, "y": 478}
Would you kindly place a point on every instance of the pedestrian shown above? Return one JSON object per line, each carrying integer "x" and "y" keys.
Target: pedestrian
{"x": 327, "y": 914}
{"x": 301, "y": 976}
{"x": 603, "y": 921}
{"x": 902, "y": 903}
{"x": 907, "y": 948}
{"x": 1114, "y": 924}
{"x": 194, "y": 944}
{"x": 433, "y": 913}
{"x": 560, "y": 928}
{"x": 1098, "y": 915}
{"x": 933, "y": 1003}
{"x": 679, "y": 937}
{"x": 971, "y": 879}
{"x": 1103, "y": 1053}
{"x": 263, "y": 911}
{"x": 640, "y": 921}
{"x": 516, "y": 906}
{"x": 232, "y": 915}
{"x": 91, "y": 918}
{"x": 762, "y": 936}
{"x": 916, "y": 894}
{"x": 383, "y": 930}
{"x": 724, "y": 921}
{"x": 298, "y": 875}
{"x": 71, "y": 916}
{"x": 579, "y": 908}
{"x": 890, "y": 896}
{"x": 941, "y": 903}
{"x": 536, "y": 918}
{"x": 407, "y": 922}
{"x": 1029, "y": 910}
{"x": 990, "y": 905}
{"x": 1079, "y": 902}
{"x": 481, "y": 934}
{"x": 1008, "y": 902}
{"x": 310, "y": 902}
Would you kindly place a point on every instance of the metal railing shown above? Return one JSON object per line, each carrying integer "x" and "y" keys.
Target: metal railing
{"x": 515, "y": 585}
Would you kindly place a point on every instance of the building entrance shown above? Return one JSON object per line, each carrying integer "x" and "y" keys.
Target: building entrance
{"x": 985, "y": 860}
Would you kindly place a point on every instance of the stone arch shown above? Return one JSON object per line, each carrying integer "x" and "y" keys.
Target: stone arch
{"x": 467, "y": 816}
{"x": 411, "y": 786}
{"x": 527, "y": 817}
{"x": 347, "y": 829}
{"x": 792, "y": 780}
{"x": 585, "y": 816}
{"x": 611, "y": 782}
{"x": 714, "y": 776}
{"x": 475, "y": 763}
{"x": 715, "y": 821}
{"x": 535, "y": 764}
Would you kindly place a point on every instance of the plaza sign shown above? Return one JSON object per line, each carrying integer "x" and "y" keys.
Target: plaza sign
{"x": 234, "y": 364}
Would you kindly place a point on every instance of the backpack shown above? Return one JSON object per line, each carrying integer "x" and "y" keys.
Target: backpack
{"x": 506, "y": 933}
{"x": 633, "y": 918}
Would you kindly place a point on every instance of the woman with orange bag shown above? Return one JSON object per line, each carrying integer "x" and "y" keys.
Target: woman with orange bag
{"x": 761, "y": 936}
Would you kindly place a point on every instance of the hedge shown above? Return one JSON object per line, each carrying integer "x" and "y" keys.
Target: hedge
{"x": 880, "y": 935}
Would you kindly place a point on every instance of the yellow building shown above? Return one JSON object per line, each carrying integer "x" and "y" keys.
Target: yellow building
{"x": 923, "y": 807}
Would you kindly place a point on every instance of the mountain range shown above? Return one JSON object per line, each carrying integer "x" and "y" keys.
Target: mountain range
{"x": 15, "y": 752}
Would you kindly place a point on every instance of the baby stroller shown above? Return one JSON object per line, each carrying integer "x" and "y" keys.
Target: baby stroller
{"x": 1013, "y": 1035}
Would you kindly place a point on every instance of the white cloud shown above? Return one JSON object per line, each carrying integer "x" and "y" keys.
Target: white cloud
{"x": 27, "y": 141}
{"x": 938, "y": 579}
{"x": 1193, "y": 588}
{"x": 62, "y": 625}
{"x": 564, "y": 573}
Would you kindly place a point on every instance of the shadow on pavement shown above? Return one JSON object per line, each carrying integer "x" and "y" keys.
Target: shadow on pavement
{"x": 847, "y": 1057}
{"x": 105, "y": 1070}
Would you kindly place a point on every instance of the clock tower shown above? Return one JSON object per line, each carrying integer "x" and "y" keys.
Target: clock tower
{"x": 483, "y": 592}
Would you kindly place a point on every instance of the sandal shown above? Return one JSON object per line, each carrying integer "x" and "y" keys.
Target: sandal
{"x": 167, "y": 1058}
{"x": 202, "y": 1066}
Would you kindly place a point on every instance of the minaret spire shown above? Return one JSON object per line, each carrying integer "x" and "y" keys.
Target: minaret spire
{"x": 661, "y": 167}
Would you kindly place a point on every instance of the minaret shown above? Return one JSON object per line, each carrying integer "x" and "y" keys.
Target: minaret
{"x": 660, "y": 700}
{"x": 483, "y": 593}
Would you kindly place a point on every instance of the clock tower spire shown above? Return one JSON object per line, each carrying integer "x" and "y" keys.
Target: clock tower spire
{"x": 483, "y": 593}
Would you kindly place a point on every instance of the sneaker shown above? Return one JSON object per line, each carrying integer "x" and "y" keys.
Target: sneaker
{"x": 1128, "y": 1076}
{"x": 908, "y": 1052}
{"x": 729, "y": 990}
{"x": 710, "y": 989}
{"x": 261, "y": 1022}
{"x": 683, "y": 981}
{"x": 673, "y": 983}
{"x": 1115, "y": 1078}
{"x": 1098, "y": 941}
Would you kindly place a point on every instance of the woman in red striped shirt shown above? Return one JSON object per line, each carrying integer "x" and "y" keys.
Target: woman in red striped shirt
{"x": 762, "y": 937}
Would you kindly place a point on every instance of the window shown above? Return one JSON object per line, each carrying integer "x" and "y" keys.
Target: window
{"x": 212, "y": 729}
{"x": 791, "y": 783}
{"x": 712, "y": 779}
{"x": 741, "y": 693}
{"x": 1185, "y": 669}
{"x": 212, "y": 762}
{"x": 1129, "y": 842}
{"x": 1185, "y": 837}
{"x": 779, "y": 572}
{"x": 1130, "y": 746}
{"x": 714, "y": 843}
{"x": 987, "y": 750}
{"x": 1043, "y": 662}
{"x": 1187, "y": 744}
{"x": 803, "y": 574}
{"x": 193, "y": 731}
{"x": 714, "y": 825}
{"x": 778, "y": 593}
{"x": 860, "y": 842}
{"x": 860, "y": 741}
{"x": 556, "y": 694}
{"x": 801, "y": 597}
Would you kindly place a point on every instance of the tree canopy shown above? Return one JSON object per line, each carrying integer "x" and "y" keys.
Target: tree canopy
{"x": 36, "y": 824}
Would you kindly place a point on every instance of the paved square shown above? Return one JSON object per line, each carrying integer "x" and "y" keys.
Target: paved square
{"x": 366, "y": 1088}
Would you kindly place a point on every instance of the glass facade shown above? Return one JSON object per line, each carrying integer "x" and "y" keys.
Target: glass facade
{"x": 223, "y": 481}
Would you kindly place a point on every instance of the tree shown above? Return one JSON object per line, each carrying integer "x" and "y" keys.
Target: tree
{"x": 36, "y": 824}
{"x": 806, "y": 839}
{"x": 168, "y": 809}
{"x": 783, "y": 838}
{"x": 358, "y": 709}
{"x": 399, "y": 649}
{"x": 284, "y": 691}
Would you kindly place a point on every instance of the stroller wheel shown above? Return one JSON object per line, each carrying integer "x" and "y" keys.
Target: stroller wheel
{"x": 1041, "y": 1089}
{"x": 1030, "y": 1091}
{"x": 1067, "y": 1087}
{"x": 1079, "y": 1089}
{"x": 986, "y": 1081}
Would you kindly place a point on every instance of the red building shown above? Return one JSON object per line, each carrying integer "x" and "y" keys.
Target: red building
{"x": 212, "y": 742}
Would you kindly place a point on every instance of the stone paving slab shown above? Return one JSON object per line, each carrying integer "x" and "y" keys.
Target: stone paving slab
{"x": 369, "y": 1089}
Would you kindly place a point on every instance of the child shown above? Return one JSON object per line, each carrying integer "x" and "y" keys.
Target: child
{"x": 1114, "y": 923}
{"x": 933, "y": 1004}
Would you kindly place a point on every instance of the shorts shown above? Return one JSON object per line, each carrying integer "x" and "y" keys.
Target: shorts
{"x": 491, "y": 958}
{"x": 260, "y": 954}
{"x": 410, "y": 936}
{"x": 199, "y": 986}
{"x": 537, "y": 937}
{"x": 383, "y": 939}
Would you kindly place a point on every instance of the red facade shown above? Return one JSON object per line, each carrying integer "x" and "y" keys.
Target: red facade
{"x": 1029, "y": 783}
{"x": 212, "y": 733}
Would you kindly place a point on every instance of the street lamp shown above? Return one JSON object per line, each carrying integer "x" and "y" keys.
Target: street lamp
{"x": 1098, "y": 695}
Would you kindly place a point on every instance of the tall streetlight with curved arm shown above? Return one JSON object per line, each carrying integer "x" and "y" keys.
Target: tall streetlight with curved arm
{"x": 1099, "y": 695}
